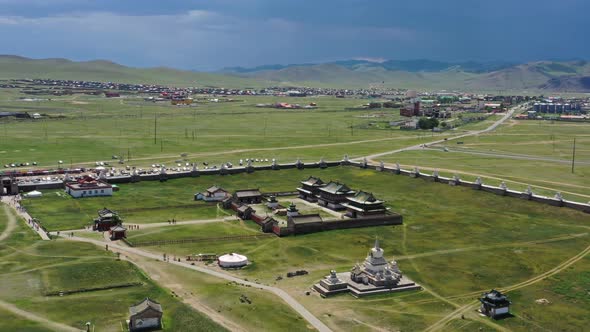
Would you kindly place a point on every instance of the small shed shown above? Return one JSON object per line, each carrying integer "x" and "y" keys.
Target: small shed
{"x": 117, "y": 232}
{"x": 145, "y": 316}
{"x": 494, "y": 304}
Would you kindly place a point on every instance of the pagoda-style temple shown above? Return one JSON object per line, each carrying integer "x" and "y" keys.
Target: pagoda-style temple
{"x": 333, "y": 194}
{"x": 374, "y": 276}
{"x": 363, "y": 204}
{"x": 310, "y": 188}
{"x": 106, "y": 219}
{"x": 494, "y": 304}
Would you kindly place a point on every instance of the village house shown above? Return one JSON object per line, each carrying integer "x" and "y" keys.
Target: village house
{"x": 212, "y": 194}
{"x": 88, "y": 187}
{"x": 363, "y": 204}
{"x": 333, "y": 194}
{"x": 145, "y": 316}
{"x": 310, "y": 188}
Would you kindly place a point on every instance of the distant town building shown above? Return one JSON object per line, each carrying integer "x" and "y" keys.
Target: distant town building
{"x": 145, "y": 316}
{"x": 494, "y": 304}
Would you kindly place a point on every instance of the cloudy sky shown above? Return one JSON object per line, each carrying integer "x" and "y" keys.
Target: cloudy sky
{"x": 212, "y": 34}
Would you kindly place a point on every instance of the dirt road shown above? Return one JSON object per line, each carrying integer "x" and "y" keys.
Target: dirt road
{"x": 33, "y": 317}
{"x": 10, "y": 225}
{"x": 294, "y": 304}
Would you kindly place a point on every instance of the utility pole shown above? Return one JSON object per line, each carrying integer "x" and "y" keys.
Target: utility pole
{"x": 128, "y": 154}
{"x": 155, "y": 127}
{"x": 574, "y": 155}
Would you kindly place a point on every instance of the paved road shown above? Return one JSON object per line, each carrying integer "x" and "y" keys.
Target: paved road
{"x": 492, "y": 127}
{"x": 218, "y": 274}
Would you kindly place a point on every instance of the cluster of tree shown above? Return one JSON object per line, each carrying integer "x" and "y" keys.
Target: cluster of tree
{"x": 427, "y": 123}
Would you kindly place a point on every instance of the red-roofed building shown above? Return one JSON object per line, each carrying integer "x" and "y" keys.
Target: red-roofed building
{"x": 89, "y": 187}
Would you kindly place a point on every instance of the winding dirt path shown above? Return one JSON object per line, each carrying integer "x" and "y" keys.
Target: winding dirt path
{"x": 10, "y": 225}
{"x": 288, "y": 299}
{"x": 33, "y": 317}
{"x": 473, "y": 305}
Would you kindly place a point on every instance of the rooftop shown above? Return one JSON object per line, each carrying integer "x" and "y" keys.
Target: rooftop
{"x": 336, "y": 188}
{"x": 248, "y": 193}
{"x": 364, "y": 197}
{"x": 147, "y": 303}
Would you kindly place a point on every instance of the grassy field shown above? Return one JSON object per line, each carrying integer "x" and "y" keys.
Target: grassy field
{"x": 521, "y": 153}
{"x": 96, "y": 128}
{"x": 11, "y": 322}
{"x": 455, "y": 241}
{"x": 31, "y": 267}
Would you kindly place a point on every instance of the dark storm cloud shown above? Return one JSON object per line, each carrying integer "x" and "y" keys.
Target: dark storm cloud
{"x": 216, "y": 33}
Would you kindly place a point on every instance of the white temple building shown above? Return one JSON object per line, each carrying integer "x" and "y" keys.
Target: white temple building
{"x": 374, "y": 276}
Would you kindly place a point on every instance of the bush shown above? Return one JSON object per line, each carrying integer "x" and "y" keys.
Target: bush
{"x": 427, "y": 123}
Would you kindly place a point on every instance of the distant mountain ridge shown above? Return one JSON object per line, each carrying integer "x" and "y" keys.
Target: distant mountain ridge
{"x": 554, "y": 76}
{"x": 470, "y": 75}
{"x": 418, "y": 65}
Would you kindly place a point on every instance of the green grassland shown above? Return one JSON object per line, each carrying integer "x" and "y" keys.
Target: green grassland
{"x": 455, "y": 241}
{"x": 31, "y": 267}
{"x": 509, "y": 147}
{"x": 213, "y": 230}
{"x": 11, "y": 322}
{"x": 141, "y": 204}
{"x": 96, "y": 128}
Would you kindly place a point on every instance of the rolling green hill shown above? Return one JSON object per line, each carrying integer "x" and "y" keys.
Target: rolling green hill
{"x": 571, "y": 76}
{"x": 12, "y": 67}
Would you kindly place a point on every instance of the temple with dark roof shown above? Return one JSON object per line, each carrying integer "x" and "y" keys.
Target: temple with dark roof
{"x": 310, "y": 188}
{"x": 333, "y": 194}
{"x": 363, "y": 204}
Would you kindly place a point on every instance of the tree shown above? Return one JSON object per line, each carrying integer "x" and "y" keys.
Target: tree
{"x": 427, "y": 123}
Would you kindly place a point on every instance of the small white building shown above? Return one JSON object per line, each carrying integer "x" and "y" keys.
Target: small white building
{"x": 232, "y": 260}
{"x": 89, "y": 187}
{"x": 212, "y": 194}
